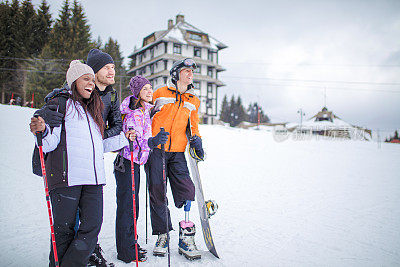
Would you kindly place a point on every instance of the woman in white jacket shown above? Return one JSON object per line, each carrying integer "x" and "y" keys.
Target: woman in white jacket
{"x": 75, "y": 167}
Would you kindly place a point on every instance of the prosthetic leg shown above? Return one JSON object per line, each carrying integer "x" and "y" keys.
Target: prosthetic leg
{"x": 187, "y": 231}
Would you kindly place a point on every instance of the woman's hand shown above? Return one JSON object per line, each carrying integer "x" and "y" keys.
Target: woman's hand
{"x": 131, "y": 135}
{"x": 37, "y": 124}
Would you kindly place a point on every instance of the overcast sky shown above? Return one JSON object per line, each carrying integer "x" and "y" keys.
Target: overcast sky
{"x": 283, "y": 54}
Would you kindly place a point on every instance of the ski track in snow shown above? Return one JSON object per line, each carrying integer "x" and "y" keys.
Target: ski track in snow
{"x": 295, "y": 203}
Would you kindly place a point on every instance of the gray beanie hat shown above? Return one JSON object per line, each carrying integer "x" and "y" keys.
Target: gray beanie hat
{"x": 76, "y": 70}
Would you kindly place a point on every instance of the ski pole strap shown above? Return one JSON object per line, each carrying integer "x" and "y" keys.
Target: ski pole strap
{"x": 130, "y": 142}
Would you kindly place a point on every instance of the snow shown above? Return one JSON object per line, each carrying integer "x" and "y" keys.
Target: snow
{"x": 326, "y": 124}
{"x": 175, "y": 34}
{"x": 308, "y": 203}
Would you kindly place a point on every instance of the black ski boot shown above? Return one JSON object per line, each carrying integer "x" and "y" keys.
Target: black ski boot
{"x": 141, "y": 255}
{"x": 97, "y": 259}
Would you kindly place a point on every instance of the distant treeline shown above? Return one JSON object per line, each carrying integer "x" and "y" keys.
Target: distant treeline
{"x": 35, "y": 49}
{"x": 234, "y": 113}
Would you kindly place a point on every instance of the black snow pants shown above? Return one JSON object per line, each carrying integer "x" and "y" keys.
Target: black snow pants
{"x": 124, "y": 224}
{"x": 182, "y": 187}
{"x": 75, "y": 249}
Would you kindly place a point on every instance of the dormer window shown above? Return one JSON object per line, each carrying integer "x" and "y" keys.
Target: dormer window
{"x": 194, "y": 36}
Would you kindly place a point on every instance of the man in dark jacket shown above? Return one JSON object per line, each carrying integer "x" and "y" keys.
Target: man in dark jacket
{"x": 104, "y": 69}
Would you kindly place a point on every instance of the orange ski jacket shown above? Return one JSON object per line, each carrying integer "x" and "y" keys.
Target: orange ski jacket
{"x": 173, "y": 110}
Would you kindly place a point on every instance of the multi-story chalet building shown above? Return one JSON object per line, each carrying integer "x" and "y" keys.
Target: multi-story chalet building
{"x": 182, "y": 40}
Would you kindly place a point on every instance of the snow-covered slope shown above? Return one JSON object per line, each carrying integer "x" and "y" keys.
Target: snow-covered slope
{"x": 309, "y": 203}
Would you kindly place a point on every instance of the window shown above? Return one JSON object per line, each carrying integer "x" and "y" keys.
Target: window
{"x": 140, "y": 58}
{"x": 210, "y": 55}
{"x": 209, "y": 90}
{"x": 151, "y": 68}
{"x": 196, "y": 84}
{"x": 165, "y": 64}
{"x": 197, "y": 51}
{"x": 210, "y": 101}
{"x": 165, "y": 79}
{"x": 152, "y": 52}
{"x": 198, "y": 69}
{"x": 194, "y": 36}
{"x": 210, "y": 71}
{"x": 177, "y": 49}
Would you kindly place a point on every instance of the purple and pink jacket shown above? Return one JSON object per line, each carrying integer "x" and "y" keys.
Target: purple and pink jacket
{"x": 139, "y": 120}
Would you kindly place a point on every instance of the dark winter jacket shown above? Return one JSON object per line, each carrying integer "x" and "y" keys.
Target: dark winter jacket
{"x": 111, "y": 112}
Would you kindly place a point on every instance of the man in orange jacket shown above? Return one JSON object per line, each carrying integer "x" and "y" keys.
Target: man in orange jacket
{"x": 175, "y": 105}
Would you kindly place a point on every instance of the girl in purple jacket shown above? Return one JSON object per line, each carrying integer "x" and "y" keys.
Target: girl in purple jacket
{"x": 136, "y": 109}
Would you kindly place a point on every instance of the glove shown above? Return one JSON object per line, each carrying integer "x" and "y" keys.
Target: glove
{"x": 160, "y": 139}
{"x": 197, "y": 145}
{"x": 51, "y": 116}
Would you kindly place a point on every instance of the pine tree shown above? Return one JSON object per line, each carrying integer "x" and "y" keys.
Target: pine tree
{"x": 252, "y": 113}
{"x": 112, "y": 48}
{"x": 27, "y": 33}
{"x": 224, "y": 116}
{"x": 81, "y": 38}
{"x": 60, "y": 40}
{"x": 396, "y": 135}
{"x": 240, "y": 113}
{"x": 98, "y": 43}
{"x": 26, "y": 37}
{"x": 231, "y": 111}
{"x": 45, "y": 76}
{"x": 13, "y": 50}
{"x": 6, "y": 46}
{"x": 255, "y": 110}
{"x": 43, "y": 27}
{"x": 69, "y": 39}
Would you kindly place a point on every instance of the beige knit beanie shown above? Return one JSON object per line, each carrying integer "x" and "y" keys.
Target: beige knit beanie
{"x": 76, "y": 70}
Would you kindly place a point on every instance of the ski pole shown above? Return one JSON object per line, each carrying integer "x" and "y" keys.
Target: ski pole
{"x": 133, "y": 197}
{"x": 139, "y": 158}
{"x": 166, "y": 203}
{"x": 46, "y": 189}
{"x": 147, "y": 194}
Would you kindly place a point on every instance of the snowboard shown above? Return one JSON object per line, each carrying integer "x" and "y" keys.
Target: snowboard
{"x": 205, "y": 225}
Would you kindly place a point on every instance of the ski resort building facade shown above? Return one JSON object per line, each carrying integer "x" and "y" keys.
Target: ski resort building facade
{"x": 182, "y": 40}
{"x": 325, "y": 123}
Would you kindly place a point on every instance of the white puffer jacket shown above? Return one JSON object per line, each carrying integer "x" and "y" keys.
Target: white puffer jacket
{"x": 84, "y": 147}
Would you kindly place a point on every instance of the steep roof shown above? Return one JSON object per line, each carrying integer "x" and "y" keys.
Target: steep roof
{"x": 178, "y": 34}
{"x": 325, "y": 118}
